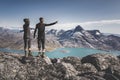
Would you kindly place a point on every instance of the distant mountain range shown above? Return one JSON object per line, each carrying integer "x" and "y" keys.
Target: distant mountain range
{"x": 77, "y": 37}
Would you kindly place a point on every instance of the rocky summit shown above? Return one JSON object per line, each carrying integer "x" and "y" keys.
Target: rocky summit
{"x": 91, "y": 67}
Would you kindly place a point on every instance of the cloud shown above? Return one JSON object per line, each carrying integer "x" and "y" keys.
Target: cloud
{"x": 106, "y": 26}
{"x": 101, "y": 22}
{"x": 88, "y": 23}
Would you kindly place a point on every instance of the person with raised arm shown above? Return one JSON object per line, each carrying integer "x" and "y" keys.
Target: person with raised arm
{"x": 40, "y": 27}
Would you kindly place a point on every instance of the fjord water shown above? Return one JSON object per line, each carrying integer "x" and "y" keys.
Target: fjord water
{"x": 64, "y": 52}
{"x": 78, "y": 52}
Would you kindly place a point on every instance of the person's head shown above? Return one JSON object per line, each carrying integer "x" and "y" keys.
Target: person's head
{"x": 41, "y": 19}
{"x": 26, "y": 20}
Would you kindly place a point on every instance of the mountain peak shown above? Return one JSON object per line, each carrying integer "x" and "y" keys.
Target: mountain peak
{"x": 78, "y": 28}
{"x": 52, "y": 31}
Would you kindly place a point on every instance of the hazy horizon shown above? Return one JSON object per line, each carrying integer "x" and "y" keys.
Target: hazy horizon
{"x": 103, "y": 15}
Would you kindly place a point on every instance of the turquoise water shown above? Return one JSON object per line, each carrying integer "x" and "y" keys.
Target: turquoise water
{"x": 78, "y": 52}
{"x": 64, "y": 52}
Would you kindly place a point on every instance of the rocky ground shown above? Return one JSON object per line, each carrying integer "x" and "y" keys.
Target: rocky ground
{"x": 91, "y": 67}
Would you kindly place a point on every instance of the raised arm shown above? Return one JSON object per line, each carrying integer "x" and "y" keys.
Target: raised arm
{"x": 51, "y": 23}
{"x": 35, "y": 32}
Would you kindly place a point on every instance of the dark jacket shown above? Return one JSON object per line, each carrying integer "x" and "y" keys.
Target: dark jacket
{"x": 41, "y": 29}
{"x": 26, "y": 29}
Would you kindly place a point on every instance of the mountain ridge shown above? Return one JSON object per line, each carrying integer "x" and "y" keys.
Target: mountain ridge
{"x": 77, "y": 37}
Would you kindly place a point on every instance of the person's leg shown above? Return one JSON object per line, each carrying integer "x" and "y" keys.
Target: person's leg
{"x": 43, "y": 47}
{"x": 25, "y": 47}
{"x": 43, "y": 44}
{"x": 29, "y": 47}
{"x": 39, "y": 44}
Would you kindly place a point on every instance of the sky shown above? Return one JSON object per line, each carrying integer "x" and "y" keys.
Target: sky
{"x": 90, "y": 14}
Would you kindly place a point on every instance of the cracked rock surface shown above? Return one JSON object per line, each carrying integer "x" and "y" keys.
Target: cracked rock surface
{"x": 91, "y": 67}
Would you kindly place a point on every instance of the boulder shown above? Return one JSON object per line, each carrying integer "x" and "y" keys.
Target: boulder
{"x": 86, "y": 68}
{"x": 72, "y": 60}
{"x": 101, "y": 61}
{"x": 65, "y": 70}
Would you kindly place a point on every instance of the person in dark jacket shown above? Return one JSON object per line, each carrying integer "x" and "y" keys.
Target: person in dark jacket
{"x": 41, "y": 33}
{"x": 26, "y": 37}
